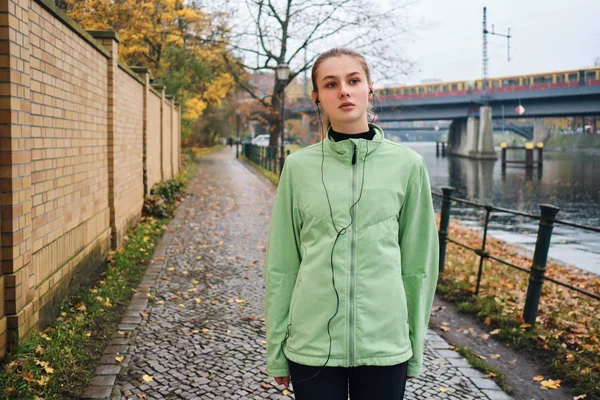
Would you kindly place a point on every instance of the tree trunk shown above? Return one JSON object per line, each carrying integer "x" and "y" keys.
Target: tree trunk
{"x": 275, "y": 115}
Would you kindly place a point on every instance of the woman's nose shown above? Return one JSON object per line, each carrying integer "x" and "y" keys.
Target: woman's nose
{"x": 344, "y": 91}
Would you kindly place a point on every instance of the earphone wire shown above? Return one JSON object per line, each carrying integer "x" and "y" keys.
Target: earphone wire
{"x": 339, "y": 233}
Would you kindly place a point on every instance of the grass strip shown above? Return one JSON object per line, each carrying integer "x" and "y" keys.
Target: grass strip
{"x": 478, "y": 363}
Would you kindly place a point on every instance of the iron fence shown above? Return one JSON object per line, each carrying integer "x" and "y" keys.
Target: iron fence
{"x": 547, "y": 220}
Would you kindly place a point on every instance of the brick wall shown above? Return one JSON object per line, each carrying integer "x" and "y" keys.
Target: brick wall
{"x": 73, "y": 124}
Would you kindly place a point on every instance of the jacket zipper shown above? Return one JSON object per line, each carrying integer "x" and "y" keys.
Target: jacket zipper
{"x": 352, "y": 266}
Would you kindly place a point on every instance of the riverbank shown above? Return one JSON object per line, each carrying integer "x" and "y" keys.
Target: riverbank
{"x": 577, "y": 142}
{"x": 565, "y": 340}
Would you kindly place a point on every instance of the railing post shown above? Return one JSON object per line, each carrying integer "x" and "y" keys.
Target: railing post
{"x": 540, "y": 256}
{"x": 437, "y": 148}
{"x": 444, "y": 222}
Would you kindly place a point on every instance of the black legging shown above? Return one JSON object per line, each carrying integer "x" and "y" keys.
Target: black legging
{"x": 333, "y": 383}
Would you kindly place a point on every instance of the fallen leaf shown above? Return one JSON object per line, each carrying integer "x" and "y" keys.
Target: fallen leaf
{"x": 492, "y": 375}
{"x": 525, "y": 325}
{"x": 119, "y": 358}
{"x": 583, "y": 396}
{"x": 494, "y": 356}
{"x": 551, "y": 384}
{"x": 495, "y": 332}
{"x": 198, "y": 300}
{"x": 28, "y": 376}
{"x": 265, "y": 386}
{"x": 443, "y": 390}
{"x": 286, "y": 392}
{"x": 147, "y": 378}
{"x": 39, "y": 350}
{"x": 445, "y": 328}
{"x": 143, "y": 314}
{"x": 538, "y": 378}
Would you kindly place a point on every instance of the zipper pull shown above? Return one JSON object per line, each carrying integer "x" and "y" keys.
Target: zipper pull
{"x": 354, "y": 155}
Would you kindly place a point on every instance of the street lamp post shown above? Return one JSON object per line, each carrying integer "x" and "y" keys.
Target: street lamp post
{"x": 283, "y": 73}
{"x": 237, "y": 142}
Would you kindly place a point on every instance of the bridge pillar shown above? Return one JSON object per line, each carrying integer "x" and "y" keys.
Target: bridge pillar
{"x": 473, "y": 137}
{"x": 540, "y": 131}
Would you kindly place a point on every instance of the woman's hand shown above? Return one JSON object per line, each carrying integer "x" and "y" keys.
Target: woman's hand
{"x": 283, "y": 380}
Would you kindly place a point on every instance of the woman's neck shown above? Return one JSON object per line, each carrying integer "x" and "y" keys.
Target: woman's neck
{"x": 350, "y": 128}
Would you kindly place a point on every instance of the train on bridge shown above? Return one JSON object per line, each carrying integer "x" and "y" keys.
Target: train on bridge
{"x": 557, "y": 79}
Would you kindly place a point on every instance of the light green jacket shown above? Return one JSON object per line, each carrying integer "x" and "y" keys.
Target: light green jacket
{"x": 385, "y": 265}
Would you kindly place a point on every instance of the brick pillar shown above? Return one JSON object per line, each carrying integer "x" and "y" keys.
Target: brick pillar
{"x": 178, "y": 141}
{"x": 172, "y": 136}
{"x": 18, "y": 311}
{"x": 161, "y": 90}
{"x": 145, "y": 75}
{"x": 110, "y": 41}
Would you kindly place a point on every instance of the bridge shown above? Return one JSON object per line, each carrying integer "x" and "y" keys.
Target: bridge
{"x": 472, "y": 109}
{"x": 524, "y": 130}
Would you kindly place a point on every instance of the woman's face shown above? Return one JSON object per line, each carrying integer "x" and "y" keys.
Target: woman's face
{"x": 343, "y": 92}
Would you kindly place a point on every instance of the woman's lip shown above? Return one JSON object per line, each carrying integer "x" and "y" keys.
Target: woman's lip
{"x": 346, "y": 106}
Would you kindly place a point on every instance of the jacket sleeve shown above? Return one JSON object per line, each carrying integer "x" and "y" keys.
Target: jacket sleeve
{"x": 419, "y": 249}
{"x": 281, "y": 268}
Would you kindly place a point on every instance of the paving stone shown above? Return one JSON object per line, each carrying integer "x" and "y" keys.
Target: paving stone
{"x": 107, "y": 370}
{"x": 103, "y": 380}
{"x": 97, "y": 392}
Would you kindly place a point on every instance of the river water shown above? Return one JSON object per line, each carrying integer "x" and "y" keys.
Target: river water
{"x": 568, "y": 180}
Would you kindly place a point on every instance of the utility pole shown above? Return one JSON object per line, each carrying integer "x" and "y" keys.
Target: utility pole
{"x": 485, "y": 49}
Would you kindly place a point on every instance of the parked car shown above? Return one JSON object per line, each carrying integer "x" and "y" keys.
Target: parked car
{"x": 261, "y": 140}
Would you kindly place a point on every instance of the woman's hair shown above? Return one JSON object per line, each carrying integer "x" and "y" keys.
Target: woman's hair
{"x": 338, "y": 52}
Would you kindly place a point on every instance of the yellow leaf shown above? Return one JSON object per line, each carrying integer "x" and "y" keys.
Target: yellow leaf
{"x": 443, "y": 390}
{"x": 551, "y": 384}
{"x": 119, "y": 358}
{"x": 205, "y": 330}
{"x": 198, "y": 300}
{"x": 525, "y": 325}
{"x": 196, "y": 282}
{"x": 146, "y": 238}
{"x": 285, "y": 392}
{"x": 39, "y": 350}
{"x": 538, "y": 378}
{"x": 240, "y": 301}
{"x": 147, "y": 378}
{"x": 495, "y": 332}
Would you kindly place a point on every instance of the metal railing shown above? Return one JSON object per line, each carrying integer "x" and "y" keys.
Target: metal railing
{"x": 547, "y": 220}
{"x": 266, "y": 157}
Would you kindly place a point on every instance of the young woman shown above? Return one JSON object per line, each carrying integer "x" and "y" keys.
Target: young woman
{"x": 352, "y": 252}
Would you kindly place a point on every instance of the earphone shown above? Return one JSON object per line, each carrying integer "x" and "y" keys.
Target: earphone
{"x": 339, "y": 232}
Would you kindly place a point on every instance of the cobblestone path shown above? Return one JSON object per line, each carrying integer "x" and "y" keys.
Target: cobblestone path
{"x": 203, "y": 336}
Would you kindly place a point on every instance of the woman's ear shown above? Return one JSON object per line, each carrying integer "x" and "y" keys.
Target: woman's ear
{"x": 314, "y": 96}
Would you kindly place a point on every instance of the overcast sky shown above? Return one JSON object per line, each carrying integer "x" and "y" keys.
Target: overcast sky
{"x": 548, "y": 35}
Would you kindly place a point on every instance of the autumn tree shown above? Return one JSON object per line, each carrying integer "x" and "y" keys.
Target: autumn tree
{"x": 179, "y": 42}
{"x": 270, "y": 32}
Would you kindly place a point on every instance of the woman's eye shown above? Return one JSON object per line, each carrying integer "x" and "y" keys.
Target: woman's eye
{"x": 354, "y": 81}
{"x": 330, "y": 85}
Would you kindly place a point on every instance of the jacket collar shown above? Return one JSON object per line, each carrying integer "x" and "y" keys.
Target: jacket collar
{"x": 343, "y": 150}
